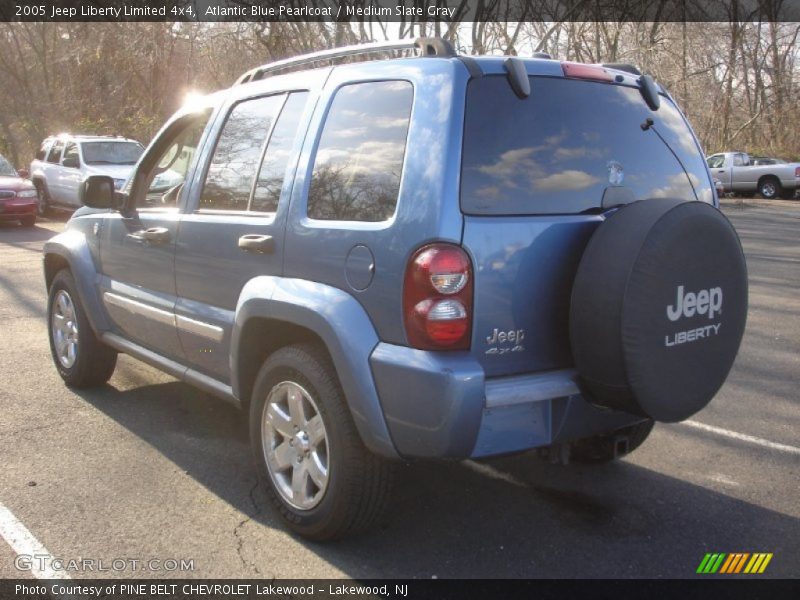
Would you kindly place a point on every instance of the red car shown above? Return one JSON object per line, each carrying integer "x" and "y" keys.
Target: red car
{"x": 17, "y": 196}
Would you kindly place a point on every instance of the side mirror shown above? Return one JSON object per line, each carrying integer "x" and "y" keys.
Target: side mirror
{"x": 71, "y": 161}
{"x": 24, "y": 173}
{"x": 97, "y": 191}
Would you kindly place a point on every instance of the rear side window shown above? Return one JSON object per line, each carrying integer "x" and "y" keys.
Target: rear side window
{"x": 359, "y": 161}
{"x": 43, "y": 150}
{"x": 71, "y": 152}
{"x": 54, "y": 156}
{"x": 557, "y": 151}
{"x": 230, "y": 174}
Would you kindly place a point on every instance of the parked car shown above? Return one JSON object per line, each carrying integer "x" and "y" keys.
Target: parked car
{"x": 17, "y": 196}
{"x": 64, "y": 162}
{"x": 738, "y": 174}
{"x": 411, "y": 259}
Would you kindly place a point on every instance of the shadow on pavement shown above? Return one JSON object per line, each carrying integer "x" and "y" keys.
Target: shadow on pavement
{"x": 511, "y": 517}
{"x": 13, "y": 234}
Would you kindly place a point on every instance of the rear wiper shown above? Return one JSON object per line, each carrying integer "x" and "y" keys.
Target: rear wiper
{"x": 650, "y": 124}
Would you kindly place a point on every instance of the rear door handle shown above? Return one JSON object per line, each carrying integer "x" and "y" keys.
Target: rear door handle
{"x": 253, "y": 242}
{"x": 152, "y": 235}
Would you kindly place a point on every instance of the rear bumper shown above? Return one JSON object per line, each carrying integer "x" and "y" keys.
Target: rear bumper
{"x": 440, "y": 405}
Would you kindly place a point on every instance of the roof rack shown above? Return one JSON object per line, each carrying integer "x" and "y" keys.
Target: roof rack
{"x": 426, "y": 46}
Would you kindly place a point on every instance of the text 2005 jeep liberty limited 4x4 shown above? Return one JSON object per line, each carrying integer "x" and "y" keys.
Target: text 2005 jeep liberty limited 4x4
{"x": 428, "y": 257}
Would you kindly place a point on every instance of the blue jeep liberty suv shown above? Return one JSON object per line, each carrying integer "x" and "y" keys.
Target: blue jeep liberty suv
{"x": 429, "y": 257}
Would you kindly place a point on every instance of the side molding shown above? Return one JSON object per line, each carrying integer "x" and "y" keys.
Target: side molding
{"x": 342, "y": 324}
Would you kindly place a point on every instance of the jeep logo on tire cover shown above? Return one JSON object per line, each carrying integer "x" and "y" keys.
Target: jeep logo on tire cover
{"x": 703, "y": 302}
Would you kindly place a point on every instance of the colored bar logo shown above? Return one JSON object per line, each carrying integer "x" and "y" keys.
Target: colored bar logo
{"x": 734, "y": 563}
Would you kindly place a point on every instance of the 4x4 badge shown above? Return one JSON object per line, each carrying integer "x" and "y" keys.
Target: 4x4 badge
{"x": 514, "y": 336}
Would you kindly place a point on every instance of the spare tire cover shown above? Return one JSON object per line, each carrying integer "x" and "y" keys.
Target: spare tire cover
{"x": 658, "y": 308}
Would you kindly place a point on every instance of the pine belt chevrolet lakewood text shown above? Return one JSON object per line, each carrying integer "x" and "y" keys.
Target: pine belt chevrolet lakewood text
{"x": 438, "y": 256}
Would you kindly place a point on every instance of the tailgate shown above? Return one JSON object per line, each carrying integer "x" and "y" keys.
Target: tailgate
{"x": 524, "y": 268}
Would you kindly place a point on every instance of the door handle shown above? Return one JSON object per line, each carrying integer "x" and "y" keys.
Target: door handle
{"x": 153, "y": 235}
{"x": 721, "y": 171}
{"x": 253, "y": 242}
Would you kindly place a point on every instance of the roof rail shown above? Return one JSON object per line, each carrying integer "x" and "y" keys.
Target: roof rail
{"x": 426, "y": 46}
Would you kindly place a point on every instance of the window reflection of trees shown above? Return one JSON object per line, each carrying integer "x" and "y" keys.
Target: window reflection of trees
{"x": 360, "y": 156}
{"x": 273, "y": 168}
{"x": 345, "y": 196}
{"x": 230, "y": 174}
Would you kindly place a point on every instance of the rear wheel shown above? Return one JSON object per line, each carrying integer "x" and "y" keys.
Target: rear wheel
{"x": 769, "y": 188}
{"x": 80, "y": 358}
{"x": 610, "y": 446}
{"x": 317, "y": 472}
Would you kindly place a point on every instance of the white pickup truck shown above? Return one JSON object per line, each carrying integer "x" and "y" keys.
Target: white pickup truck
{"x": 737, "y": 174}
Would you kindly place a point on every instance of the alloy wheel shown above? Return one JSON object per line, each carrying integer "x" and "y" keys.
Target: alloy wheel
{"x": 295, "y": 445}
{"x": 64, "y": 325}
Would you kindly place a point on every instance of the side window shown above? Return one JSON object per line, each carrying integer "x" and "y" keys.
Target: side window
{"x": 55, "y": 152}
{"x": 738, "y": 160}
{"x": 716, "y": 162}
{"x": 267, "y": 192}
{"x": 359, "y": 160}
{"x": 166, "y": 178}
{"x": 230, "y": 175}
{"x": 43, "y": 150}
{"x": 71, "y": 153}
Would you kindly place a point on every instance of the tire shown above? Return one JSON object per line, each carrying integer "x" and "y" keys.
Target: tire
{"x": 769, "y": 188}
{"x": 351, "y": 491}
{"x": 29, "y": 221}
{"x": 658, "y": 308}
{"x": 43, "y": 199}
{"x": 605, "y": 448}
{"x": 80, "y": 358}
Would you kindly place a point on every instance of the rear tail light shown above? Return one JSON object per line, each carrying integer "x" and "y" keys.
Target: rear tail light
{"x": 797, "y": 172}
{"x": 581, "y": 71}
{"x": 437, "y": 298}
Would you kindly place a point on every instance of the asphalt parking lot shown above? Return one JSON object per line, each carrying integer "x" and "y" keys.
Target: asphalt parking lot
{"x": 149, "y": 468}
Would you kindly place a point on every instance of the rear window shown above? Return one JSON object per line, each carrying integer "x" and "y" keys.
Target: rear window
{"x": 558, "y": 150}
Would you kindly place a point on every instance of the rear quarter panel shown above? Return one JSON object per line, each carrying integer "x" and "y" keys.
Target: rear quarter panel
{"x": 427, "y": 208}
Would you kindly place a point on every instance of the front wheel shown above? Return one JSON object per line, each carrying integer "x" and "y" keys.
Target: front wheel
{"x": 317, "y": 472}
{"x": 28, "y": 221}
{"x": 80, "y": 358}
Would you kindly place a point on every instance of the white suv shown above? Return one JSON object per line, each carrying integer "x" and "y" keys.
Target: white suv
{"x": 64, "y": 161}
